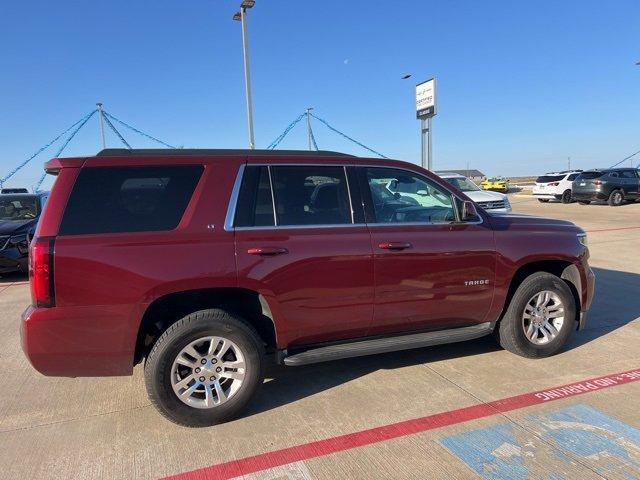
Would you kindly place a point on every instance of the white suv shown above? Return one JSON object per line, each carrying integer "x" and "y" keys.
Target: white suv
{"x": 555, "y": 186}
{"x": 493, "y": 202}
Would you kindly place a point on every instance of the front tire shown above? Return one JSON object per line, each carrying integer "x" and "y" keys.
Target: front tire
{"x": 539, "y": 318}
{"x": 566, "y": 196}
{"x": 585, "y": 202}
{"x": 204, "y": 369}
{"x": 543, "y": 200}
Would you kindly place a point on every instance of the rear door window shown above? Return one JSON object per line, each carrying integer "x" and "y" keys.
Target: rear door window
{"x": 572, "y": 177}
{"x": 311, "y": 195}
{"x": 129, "y": 199}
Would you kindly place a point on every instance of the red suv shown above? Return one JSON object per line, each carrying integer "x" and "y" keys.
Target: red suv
{"x": 202, "y": 262}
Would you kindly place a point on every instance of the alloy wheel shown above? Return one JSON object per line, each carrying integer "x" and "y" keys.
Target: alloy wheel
{"x": 208, "y": 372}
{"x": 543, "y": 317}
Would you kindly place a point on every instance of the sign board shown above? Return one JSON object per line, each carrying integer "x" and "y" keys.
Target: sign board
{"x": 426, "y": 99}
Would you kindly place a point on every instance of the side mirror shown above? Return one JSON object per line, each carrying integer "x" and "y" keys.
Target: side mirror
{"x": 469, "y": 212}
{"x": 423, "y": 193}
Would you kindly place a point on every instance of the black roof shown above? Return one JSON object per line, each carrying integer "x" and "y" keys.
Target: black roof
{"x": 171, "y": 152}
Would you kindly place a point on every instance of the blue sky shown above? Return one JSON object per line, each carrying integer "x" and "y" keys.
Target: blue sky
{"x": 522, "y": 85}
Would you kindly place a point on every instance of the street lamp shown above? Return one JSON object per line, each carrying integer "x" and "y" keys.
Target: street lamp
{"x": 241, "y": 16}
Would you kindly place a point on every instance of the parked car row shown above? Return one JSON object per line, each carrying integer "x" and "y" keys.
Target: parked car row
{"x": 613, "y": 185}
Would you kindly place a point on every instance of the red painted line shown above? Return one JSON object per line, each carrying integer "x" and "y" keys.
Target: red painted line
{"x": 256, "y": 463}
{"x": 612, "y": 229}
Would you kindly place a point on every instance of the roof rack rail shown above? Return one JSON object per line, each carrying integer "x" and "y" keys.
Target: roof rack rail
{"x": 166, "y": 152}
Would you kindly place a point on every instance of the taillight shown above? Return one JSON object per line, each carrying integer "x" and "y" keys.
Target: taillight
{"x": 554, "y": 184}
{"x": 41, "y": 272}
{"x": 598, "y": 183}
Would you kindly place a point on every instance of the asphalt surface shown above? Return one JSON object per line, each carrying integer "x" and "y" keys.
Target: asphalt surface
{"x": 468, "y": 410}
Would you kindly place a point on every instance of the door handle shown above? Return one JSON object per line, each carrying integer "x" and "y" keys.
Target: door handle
{"x": 267, "y": 251}
{"x": 395, "y": 245}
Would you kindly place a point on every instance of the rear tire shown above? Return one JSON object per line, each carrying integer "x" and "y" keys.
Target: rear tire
{"x": 196, "y": 384}
{"x": 536, "y": 329}
{"x": 616, "y": 198}
{"x": 566, "y": 196}
{"x": 585, "y": 202}
{"x": 543, "y": 200}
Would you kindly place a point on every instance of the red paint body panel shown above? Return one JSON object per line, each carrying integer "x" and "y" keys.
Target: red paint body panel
{"x": 423, "y": 287}
{"x": 322, "y": 290}
{"x": 332, "y": 283}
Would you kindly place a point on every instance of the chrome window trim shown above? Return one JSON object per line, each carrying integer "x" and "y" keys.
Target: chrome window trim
{"x": 273, "y": 198}
{"x": 346, "y": 179}
{"x": 233, "y": 200}
{"x": 304, "y": 227}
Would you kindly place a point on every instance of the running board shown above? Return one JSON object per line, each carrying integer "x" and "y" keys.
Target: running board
{"x": 387, "y": 344}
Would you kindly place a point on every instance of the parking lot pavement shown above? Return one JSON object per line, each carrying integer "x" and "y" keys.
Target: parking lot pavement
{"x": 442, "y": 412}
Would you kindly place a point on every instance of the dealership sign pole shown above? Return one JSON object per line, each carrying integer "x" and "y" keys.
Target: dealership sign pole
{"x": 425, "y": 110}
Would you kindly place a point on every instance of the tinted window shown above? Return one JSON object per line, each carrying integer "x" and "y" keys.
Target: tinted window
{"x": 129, "y": 199}
{"x": 549, "y": 178}
{"x": 572, "y": 177}
{"x": 401, "y": 196}
{"x": 613, "y": 174}
{"x": 311, "y": 195}
{"x": 255, "y": 206}
{"x": 590, "y": 175}
{"x": 628, "y": 174}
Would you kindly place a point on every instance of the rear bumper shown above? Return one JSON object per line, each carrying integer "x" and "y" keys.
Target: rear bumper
{"x": 589, "y": 195}
{"x": 548, "y": 196}
{"x": 63, "y": 344}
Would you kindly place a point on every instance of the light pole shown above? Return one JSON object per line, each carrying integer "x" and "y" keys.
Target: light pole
{"x": 242, "y": 17}
{"x": 309, "y": 127}
{"x": 101, "y": 116}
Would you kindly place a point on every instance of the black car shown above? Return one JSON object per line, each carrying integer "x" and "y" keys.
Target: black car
{"x": 614, "y": 185}
{"x": 19, "y": 213}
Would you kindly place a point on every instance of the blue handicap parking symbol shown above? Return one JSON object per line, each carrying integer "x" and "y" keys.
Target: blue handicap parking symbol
{"x": 563, "y": 439}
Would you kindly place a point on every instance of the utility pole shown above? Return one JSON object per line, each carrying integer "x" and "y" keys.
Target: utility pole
{"x": 569, "y": 163}
{"x": 309, "y": 128}
{"x": 242, "y": 17}
{"x": 101, "y": 117}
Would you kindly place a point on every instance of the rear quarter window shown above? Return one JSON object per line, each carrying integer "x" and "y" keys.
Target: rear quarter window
{"x": 129, "y": 199}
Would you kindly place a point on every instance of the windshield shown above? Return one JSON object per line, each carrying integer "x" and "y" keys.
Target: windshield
{"x": 18, "y": 207}
{"x": 463, "y": 184}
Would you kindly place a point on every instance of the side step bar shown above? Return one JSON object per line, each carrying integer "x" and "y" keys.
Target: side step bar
{"x": 387, "y": 344}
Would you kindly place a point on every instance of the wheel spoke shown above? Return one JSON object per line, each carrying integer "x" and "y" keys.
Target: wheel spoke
{"x": 185, "y": 361}
{"x": 231, "y": 374}
{"x": 187, "y": 393}
{"x": 213, "y": 343}
{"x": 234, "y": 364}
{"x": 184, "y": 382}
{"x": 208, "y": 396}
{"x": 222, "y": 397}
{"x": 544, "y": 333}
{"x": 553, "y": 331}
{"x": 557, "y": 313}
{"x": 224, "y": 348}
{"x": 530, "y": 330}
{"x": 189, "y": 350}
